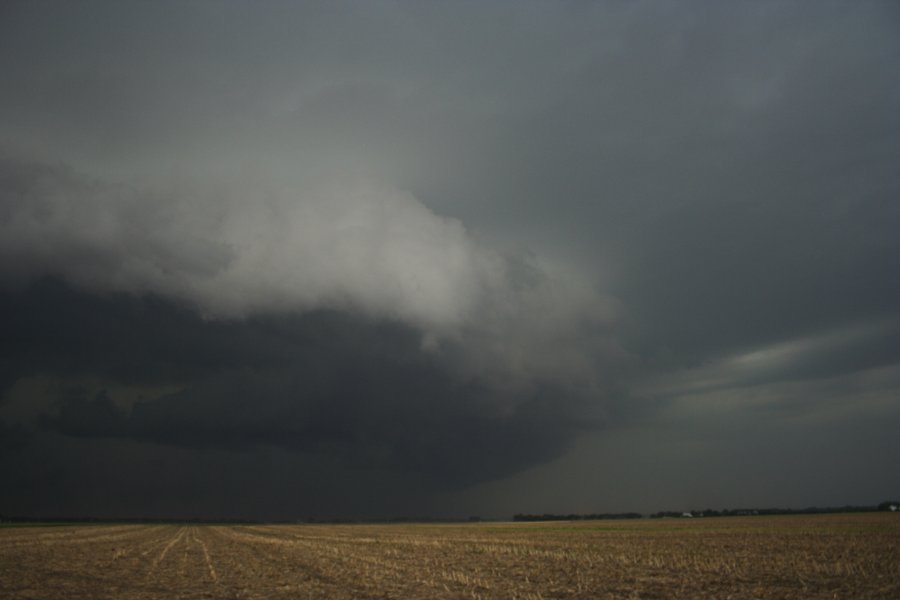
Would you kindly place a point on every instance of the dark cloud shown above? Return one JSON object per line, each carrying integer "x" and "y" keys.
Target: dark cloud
{"x": 428, "y": 246}
{"x": 50, "y": 327}
{"x": 361, "y": 392}
{"x": 843, "y": 352}
{"x": 13, "y": 437}
{"x": 409, "y": 421}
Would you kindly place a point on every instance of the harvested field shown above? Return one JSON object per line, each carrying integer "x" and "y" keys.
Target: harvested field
{"x": 821, "y": 556}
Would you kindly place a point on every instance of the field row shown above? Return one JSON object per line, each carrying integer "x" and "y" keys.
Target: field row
{"x": 823, "y": 556}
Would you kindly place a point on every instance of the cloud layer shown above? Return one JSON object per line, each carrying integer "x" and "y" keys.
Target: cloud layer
{"x": 246, "y": 250}
{"x": 420, "y": 247}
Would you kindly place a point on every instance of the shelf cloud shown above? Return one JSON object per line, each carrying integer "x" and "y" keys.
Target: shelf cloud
{"x": 379, "y": 258}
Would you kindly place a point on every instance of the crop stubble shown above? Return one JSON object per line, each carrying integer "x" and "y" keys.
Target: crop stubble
{"x": 822, "y": 556}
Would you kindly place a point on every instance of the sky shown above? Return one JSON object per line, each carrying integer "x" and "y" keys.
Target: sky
{"x": 371, "y": 259}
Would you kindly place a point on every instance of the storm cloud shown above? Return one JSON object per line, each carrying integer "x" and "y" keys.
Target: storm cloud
{"x": 361, "y": 391}
{"x": 447, "y": 258}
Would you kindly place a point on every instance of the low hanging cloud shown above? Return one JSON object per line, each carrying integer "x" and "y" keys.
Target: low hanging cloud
{"x": 236, "y": 250}
{"x": 344, "y": 322}
{"x": 326, "y": 385}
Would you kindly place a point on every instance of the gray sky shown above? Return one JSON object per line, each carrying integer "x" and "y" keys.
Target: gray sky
{"x": 280, "y": 260}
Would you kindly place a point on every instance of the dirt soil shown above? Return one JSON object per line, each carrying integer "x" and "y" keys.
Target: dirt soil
{"x": 821, "y": 556}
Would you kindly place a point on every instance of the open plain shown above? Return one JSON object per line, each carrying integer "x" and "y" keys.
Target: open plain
{"x": 819, "y": 556}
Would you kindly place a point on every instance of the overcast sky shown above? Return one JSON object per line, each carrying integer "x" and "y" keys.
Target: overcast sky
{"x": 366, "y": 259}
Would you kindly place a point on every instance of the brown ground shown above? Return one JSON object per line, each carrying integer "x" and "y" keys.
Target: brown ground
{"x": 826, "y": 556}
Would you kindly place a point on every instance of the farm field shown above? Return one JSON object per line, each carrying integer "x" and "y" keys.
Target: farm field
{"x": 816, "y": 556}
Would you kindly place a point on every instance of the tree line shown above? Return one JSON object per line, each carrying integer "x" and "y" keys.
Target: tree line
{"x": 588, "y": 517}
{"x": 893, "y": 506}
